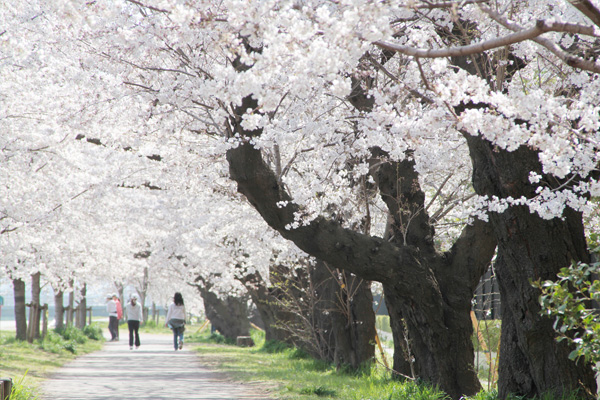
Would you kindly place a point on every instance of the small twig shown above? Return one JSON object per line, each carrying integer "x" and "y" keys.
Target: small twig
{"x": 142, "y": 86}
{"x": 138, "y": 3}
{"x": 423, "y": 77}
{"x": 393, "y": 371}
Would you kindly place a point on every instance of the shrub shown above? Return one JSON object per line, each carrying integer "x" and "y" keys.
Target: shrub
{"x": 72, "y": 333}
{"x": 569, "y": 300}
{"x": 93, "y": 331}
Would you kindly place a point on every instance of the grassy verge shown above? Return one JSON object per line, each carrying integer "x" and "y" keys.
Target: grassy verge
{"x": 288, "y": 374}
{"x": 28, "y": 364}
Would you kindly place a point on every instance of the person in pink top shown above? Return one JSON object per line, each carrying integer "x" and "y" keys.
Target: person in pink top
{"x": 119, "y": 312}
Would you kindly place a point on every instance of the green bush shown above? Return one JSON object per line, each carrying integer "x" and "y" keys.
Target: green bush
{"x": 569, "y": 300}
{"x": 54, "y": 343}
{"x": 72, "y": 333}
{"x": 93, "y": 331}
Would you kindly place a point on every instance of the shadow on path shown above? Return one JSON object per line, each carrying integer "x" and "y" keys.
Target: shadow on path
{"x": 155, "y": 372}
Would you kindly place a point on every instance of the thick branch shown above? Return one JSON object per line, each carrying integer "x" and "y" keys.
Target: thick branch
{"x": 445, "y": 4}
{"x": 588, "y": 9}
{"x": 518, "y": 36}
{"x": 473, "y": 260}
{"x": 569, "y": 59}
{"x": 371, "y": 258}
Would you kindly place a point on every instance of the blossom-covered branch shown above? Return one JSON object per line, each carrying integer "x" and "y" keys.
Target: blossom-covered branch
{"x": 519, "y": 35}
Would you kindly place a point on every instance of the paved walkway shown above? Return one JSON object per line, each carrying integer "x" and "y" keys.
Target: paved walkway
{"x": 154, "y": 372}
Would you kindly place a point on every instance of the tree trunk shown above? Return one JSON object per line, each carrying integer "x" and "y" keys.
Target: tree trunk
{"x": 346, "y": 309}
{"x": 229, "y": 315}
{"x": 20, "y": 309}
{"x": 59, "y": 310}
{"x": 35, "y": 308}
{"x": 273, "y": 315}
{"x": 529, "y": 248}
{"x": 71, "y": 306}
{"x": 434, "y": 291}
{"x": 82, "y": 309}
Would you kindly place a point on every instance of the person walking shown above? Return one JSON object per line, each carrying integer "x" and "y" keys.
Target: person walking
{"x": 176, "y": 320}
{"x": 113, "y": 321}
{"x": 133, "y": 311}
{"x": 119, "y": 312}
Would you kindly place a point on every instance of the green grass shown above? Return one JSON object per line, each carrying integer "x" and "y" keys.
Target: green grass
{"x": 290, "y": 374}
{"x": 28, "y": 364}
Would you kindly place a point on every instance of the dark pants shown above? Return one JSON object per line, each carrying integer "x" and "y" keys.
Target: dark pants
{"x": 134, "y": 327}
{"x": 178, "y": 334}
{"x": 113, "y": 327}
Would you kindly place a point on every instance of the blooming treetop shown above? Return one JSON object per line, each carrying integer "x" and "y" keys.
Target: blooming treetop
{"x": 162, "y": 77}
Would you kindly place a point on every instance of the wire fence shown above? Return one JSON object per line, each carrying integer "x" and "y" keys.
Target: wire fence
{"x": 486, "y": 304}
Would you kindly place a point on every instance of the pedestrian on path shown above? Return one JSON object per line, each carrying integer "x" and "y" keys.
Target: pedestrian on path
{"x": 176, "y": 320}
{"x": 119, "y": 312}
{"x": 113, "y": 321}
{"x": 134, "y": 314}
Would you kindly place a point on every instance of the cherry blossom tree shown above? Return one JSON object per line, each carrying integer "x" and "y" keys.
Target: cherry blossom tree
{"x": 333, "y": 114}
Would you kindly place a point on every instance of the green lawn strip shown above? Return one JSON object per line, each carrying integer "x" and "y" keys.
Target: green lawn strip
{"x": 287, "y": 374}
{"x": 31, "y": 363}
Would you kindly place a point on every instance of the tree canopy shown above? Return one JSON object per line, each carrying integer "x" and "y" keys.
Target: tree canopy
{"x": 130, "y": 126}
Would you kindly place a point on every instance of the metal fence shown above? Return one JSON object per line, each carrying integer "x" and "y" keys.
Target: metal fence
{"x": 486, "y": 303}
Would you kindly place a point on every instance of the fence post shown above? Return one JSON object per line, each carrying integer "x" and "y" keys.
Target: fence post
{"x": 5, "y": 388}
{"x": 44, "y": 311}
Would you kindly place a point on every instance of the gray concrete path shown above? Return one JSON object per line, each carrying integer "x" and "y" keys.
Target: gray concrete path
{"x": 154, "y": 372}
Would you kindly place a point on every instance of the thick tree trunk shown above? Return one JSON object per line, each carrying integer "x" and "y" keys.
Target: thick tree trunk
{"x": 229, "y": 315}
{"x": 59, "y": 310}
{"x": 20, "y": 309}
{"x": 433, "y": 290}
{"x": 530, "y": 248}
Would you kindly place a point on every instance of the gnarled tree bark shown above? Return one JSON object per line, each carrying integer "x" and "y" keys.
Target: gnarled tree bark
{"x": 433, "y": 291}
{"x": 529, "y": 248}
{"x": 227, "y": 314}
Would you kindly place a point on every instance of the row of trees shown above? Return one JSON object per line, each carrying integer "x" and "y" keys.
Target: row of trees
{"x": 408, "y": 144}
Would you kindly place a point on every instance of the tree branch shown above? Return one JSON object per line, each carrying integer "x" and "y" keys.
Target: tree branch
{"x": 569, "y": 59}
{"x": 446, "y": 4}
{"x": 588, "y": 9}
{"x": 519, "y": 35}
{"x": 138, "y": 3}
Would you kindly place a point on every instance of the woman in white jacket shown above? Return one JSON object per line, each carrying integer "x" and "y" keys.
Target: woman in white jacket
{"x": 176, "y": 320}
{"x": 133, "y": 311}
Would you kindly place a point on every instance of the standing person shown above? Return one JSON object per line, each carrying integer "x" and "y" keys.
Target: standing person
{"x": 176, "y": 320}
{"x": 133, "y": 310}
{"x": 113, "y": 322}
{"x": 119, "y": 312}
